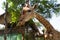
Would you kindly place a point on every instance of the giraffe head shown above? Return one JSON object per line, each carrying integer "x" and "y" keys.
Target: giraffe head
{"x": 28, "y": 8}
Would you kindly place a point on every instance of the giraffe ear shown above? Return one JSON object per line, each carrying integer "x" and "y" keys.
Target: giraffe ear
{"x": 35, "y": 6}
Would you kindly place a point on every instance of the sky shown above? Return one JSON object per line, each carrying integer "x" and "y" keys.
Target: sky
{"x": 55, "y": 21}
{"x": 1, "y": 10}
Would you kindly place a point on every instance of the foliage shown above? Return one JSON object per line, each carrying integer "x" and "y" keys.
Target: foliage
{"x": 44, "y": 7}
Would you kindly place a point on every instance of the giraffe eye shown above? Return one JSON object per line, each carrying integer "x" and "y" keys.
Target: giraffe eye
{"x": 29, "y": 10}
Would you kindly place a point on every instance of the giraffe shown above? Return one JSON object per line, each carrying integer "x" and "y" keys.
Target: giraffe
{"x": 50, "y": 30}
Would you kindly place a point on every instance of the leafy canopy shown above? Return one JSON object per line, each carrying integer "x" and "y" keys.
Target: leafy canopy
{"x": 44, "y": 7}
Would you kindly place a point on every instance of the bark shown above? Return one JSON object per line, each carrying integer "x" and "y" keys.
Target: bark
{"x": 8, "y": 18}
{"x": 4, "y": 19}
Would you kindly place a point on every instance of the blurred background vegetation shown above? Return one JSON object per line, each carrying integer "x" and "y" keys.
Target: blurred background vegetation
{"x": 45, "y": 7}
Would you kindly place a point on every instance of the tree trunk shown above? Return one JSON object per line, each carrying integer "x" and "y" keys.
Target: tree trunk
{"x": 8, "y": 18}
